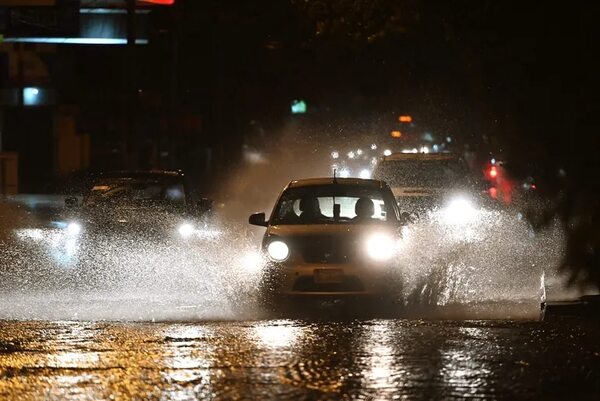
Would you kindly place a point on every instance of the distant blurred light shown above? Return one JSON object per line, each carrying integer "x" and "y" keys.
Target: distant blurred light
{"x": 373, "y": 147}
{"x": 30, "y": 96}
{"x": 387, "y": 152}
{"x": 364, "y": 173}
{"x": 344, "y": 173}
{"x": 396, "y": 134}
{"x": 405, "y": 119}
{"x": 298, "y": 107}
{"x": 435, "y": 148}
{"x": 493, "y": 161}
{"x": 415, "y": 150}
{"x": 159, "y": 2}
{"x": 373, "y": 161}
{"x": 448, "y": 139}
{"x": 253, "y": 156}
{"x": 493, "y": 193}
{"x": 351, "y": 155}
{"x": 493, "y": 172}
{"x": 359, "y": 152}
{"x": 335, "y": 155}
{"x": 424, "y": 149}
{"x": 427, "y": 136}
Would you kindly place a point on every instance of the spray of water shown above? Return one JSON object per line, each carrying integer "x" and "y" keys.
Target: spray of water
{"x": 48, "y": 274}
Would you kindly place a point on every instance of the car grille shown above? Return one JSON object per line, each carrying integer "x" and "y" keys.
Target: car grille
{"x": 348, "y": 284}
{"x": 326, "y": 249}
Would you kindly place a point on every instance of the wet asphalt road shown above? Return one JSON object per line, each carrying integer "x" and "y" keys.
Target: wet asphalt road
{"x": 297, "y": 359}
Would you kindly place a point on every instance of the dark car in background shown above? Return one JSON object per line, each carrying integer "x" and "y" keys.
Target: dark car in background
{"x": 125, "y": 213}
{"x": 149, "y": 204}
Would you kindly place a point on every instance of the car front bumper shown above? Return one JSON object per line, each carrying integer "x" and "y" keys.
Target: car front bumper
{"x": 318, "y": 280}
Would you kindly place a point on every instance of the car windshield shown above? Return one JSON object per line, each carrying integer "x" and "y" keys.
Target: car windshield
{"x": 333, "y": 204}
{"x": 423, "y": 173}
{"x": 130, "y": 191}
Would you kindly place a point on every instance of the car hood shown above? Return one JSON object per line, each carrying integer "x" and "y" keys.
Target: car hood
{"x": 128, "y": 218}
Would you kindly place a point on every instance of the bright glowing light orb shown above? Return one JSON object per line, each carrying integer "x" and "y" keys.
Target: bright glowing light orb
{"x": 278, "y": 251}
{"x": 185, "y": 230}
{"x": 460, "y": 211}
{"x": 380, "y": 247}
{"x": 74, "y": 228}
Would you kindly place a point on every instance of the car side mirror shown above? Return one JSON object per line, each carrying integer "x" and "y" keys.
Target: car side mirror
{"x": 71, "y": 202}
{"x": 258, "y": 219}
{"x": 204, "y": 205}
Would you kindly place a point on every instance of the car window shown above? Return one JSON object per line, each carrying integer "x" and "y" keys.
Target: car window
{"x": 333, "y": 204}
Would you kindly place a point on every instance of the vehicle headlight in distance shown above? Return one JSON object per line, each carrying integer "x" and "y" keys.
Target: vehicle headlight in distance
{"x": 74, "y": 228}
{"x": 460, "y": 211}
{"x": 278, "y": 251}
{"x": 185, "y": 230}
{"x": 380, "y": 247}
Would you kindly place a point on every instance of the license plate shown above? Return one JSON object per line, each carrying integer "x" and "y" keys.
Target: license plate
{"x": 328, "y": 276}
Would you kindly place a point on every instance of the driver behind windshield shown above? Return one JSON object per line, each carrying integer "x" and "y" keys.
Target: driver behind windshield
{"x": 333, "y": 205}
{"x": 310, "y": 210}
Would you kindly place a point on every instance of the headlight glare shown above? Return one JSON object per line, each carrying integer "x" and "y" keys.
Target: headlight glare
{"x": 278, "y": 251}
{"x": 380, "y": 247}
{"x": 460, "y": 211}
{"x": 74, "y": 228}
{"x": 186, "y": 229}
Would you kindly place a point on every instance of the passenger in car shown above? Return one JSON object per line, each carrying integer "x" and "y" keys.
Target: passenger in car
{"x": 364, "y": 209}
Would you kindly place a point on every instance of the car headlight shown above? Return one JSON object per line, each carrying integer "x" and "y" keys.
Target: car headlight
{"x": 459, "y": 211}
{"x": 380, "y": 247}
{"x": 74, "y": 228}
{"x": 185, "y": 230}
{"x": 278, "y": 251}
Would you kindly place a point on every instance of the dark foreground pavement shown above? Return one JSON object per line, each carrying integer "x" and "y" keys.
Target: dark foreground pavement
{"x": 288, "y": 359}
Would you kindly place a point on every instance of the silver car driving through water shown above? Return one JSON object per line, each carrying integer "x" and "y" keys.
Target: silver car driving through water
{"x": 331, "y": 239}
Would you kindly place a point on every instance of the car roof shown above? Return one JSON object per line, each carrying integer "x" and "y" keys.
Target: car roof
{"x": 421, "y": 156}
{"x": 140, "y": 174}
{"x": 307, "y": 182}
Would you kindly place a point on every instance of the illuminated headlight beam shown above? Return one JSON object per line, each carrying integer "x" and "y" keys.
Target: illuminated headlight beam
{"x": 74, "y": 228}
{"x": 185, "y": 230}
{"x": 380, "y": 247}
{"x": 459, "y": 211}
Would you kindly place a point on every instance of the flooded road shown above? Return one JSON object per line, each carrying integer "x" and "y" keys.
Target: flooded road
{"x": 296, "y": 359}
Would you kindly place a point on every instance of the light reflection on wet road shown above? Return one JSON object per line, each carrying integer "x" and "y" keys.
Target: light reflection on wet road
{"x": 289, "y": 359}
